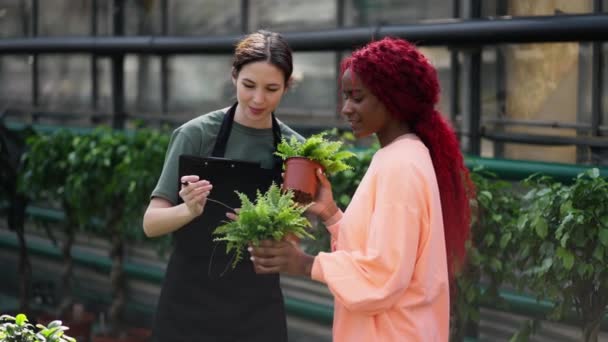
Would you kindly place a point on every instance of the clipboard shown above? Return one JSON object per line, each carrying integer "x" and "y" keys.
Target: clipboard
{"x": 227, "y": 176}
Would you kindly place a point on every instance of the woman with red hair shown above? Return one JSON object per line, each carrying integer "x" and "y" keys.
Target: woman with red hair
{"x": 398, "y": 245}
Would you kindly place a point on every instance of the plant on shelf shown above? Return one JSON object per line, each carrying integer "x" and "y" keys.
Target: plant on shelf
{"x": 44, "y": 177}
{"x": 273, "y": 215}
{"x": 564, "y": 247}
{"x": 112, "y": 177}
{"x": 12, "y": 147}
{"x": 302, "y": 158}
{"x": 490, "y": 252}
{"x": 48, "y": 170}
{"x": 18, "y": 329}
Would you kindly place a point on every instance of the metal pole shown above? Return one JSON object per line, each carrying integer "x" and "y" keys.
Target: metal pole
{"x": 164, "y": 63}
{"x": 118, "y": 93}
{"x": 454, "y": 72}
{"x": 471, "y": 90}
{"x": 501, "y": 84}
{"x": 583, "y": 91}
{"x": 93, "y": 66}
{"x": 597, "y": 91}
{"x": 474, "y": 94}
{"x": 35, "y": 63}
{"x": 465, "y": 33}
{"x": 340, "y": 9}
{"x": 245, "y": 16}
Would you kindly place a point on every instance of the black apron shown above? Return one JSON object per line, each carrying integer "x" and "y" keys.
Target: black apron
{"x": 203, "y": 298}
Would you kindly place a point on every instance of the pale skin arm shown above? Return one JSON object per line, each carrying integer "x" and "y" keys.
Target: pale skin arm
{"x": 162, "y": 217}
{"x": 286, "y": 256}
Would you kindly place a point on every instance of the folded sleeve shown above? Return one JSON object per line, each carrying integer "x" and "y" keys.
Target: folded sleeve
{"x": 373, "y": 278}
{"x": 167, "y": 185}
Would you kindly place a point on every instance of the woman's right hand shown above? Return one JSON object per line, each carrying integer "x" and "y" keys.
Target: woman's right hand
{"x": 194, "y": 193}
{"x": 324, "y": 205}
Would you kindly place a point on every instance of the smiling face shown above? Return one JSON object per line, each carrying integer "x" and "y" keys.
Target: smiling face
{"x": 364, "y": 111}
{"x": 259, "y": 89}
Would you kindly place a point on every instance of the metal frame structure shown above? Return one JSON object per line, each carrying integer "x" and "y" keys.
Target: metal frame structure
{"x": 465, "y": 35}
{"x": 597, "y": 83}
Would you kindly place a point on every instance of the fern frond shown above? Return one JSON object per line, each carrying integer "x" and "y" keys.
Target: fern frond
{"x": 326, "y": 152}
{"x": 273, "y": 215}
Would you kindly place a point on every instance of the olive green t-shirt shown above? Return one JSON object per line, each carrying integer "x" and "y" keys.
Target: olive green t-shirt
{"x": 197, "y": 137}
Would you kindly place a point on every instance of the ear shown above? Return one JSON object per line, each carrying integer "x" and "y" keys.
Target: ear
{"x": 290, "y": 83}
{"x": 234, "y": 76}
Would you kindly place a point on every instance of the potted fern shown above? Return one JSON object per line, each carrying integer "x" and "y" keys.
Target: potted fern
{"x": 273, "y": 215}
{"x": 303, "y": 158}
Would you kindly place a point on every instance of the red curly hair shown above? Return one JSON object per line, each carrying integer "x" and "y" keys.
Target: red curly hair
{"x": 403, "y": 79}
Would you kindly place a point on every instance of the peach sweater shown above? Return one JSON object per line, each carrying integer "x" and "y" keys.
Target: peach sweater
{"x": 388, "y": 269}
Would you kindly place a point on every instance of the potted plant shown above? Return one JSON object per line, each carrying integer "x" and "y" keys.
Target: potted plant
{"x": 343, "y": 185}
{"x": 12, "y": 147}
{"x": 490, "y": 252}
{"x": 134, "y": 177}
{"x": 564, "y": 247}
{"x": 115, "y": 172}
{"x": 18, "y": 329}
{"x": 95, "y": 158}
{"x": 273, "y": 215}
{"x": 47, "y": 168}
{"x": 303, "y": 158}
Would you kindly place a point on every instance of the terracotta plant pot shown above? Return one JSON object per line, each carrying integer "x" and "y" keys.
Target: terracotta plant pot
{"x": 132, "y": 335}
{"x": 300, "y": 176}
{"x": 80, "y": 328}
{"x": 104, "y": 338}
{"x": 139, "y": 334}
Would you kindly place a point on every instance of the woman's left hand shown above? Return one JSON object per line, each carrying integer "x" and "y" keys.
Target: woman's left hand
{"x": 283, "y": 256}
{"x": 233, "y": 215}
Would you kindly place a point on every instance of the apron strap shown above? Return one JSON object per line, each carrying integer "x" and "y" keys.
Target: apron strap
{"x": 219, "y": 149}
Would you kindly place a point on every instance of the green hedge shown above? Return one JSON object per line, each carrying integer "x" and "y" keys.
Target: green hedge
{"x": 524, "y": 232}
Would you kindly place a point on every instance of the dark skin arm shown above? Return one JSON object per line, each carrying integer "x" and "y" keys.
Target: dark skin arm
{"x": 281, "y": 257}
{"x": 286, "y": 256}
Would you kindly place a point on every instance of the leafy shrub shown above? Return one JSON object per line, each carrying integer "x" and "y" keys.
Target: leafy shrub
{"x": 18, "y": 329}
{"x": 490, "y": 251}
{"x": 564, "y": 248}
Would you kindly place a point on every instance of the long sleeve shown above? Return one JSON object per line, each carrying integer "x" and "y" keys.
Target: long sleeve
{"x": 334, "y": 230}
{"x": 388, "y": 272}
{"x": 375, "y": 268}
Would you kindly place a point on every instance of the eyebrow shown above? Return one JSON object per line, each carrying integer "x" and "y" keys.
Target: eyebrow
{"x": 271, "y": 84}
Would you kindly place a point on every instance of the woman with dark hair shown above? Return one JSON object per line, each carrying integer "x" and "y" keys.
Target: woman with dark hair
{"x": 199, "y": 302}
{"x": 398, "y": 245}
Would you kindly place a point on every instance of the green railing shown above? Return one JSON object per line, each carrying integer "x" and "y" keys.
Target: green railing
{"x": 516, "y": 303}
{"x": 509, "y": 169}
{"x": 319, "y": 313}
